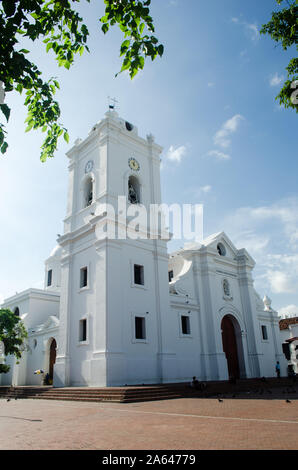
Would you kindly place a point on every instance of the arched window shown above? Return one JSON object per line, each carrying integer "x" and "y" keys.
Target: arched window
{"x": 134, "y": 190}
{"x": 88, "y": 192}
{"x": 17, "y": 311}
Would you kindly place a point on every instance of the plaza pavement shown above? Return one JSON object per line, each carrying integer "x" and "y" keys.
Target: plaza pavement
{"x": 244, "y": 422}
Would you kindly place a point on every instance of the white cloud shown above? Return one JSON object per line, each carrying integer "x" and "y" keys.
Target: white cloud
{"x": 280, "y": 218}
{"x": 282, "y": 273}
{"x": 206, "y": 189}
{"x": 281, "y": 282}
{"x": 276, "y": 80}
{"x": 270, "y": 234}
{"x": 211, "y": 84}
{"x": 222, "y": 136}
{"x": 250, "y": 28}
{"x": 254, "y": 243}
{"x": 1, "y": 298}
{"x": 218, "y": 155}
{"x": 176, "y": 155}
{"x": 285, "y": 212}
{"x": 198, "y": 192}
{"x": 288, "y": 311}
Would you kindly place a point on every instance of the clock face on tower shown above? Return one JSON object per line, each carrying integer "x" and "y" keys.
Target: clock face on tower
{"x": 133, "y": 164}
{"x": 88, "y": 166}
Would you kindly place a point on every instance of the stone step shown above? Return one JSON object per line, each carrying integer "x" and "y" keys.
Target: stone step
{"x": 89, "y": 392}
{"x": 109, "y": 399}
{"x": 100, "y": 396}
{"x": 119, "y": 395}
{"x": 141, "y": 393}
{"x": 87, "y": 395}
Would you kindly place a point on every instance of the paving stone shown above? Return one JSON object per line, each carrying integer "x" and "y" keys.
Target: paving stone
{"x": 188, "y": 423}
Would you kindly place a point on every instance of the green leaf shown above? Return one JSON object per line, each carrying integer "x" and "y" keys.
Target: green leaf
{"x": 125, "y": 45}
{"x": 66, "y": 137}
{"x": 5, "y": 110}
{"x": 19, "y": 88}
{"x": 105, "y": 28}
{"x": 126, "y": 65}
{"x": 29, "y": 127}
{"x": 141, "y": 62}
{"x": 160, "y": 49}
{"x": 4, "y": 147}
{"x": 142, "y": 25}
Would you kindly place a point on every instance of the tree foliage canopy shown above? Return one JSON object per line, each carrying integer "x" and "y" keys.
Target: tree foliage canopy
{"x": 13, "y": 335}
{"x": 283, "y": 29}
{"x": 60, "y": 27}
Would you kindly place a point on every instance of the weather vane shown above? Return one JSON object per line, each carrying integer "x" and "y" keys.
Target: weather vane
{"x": 112, "y": 102}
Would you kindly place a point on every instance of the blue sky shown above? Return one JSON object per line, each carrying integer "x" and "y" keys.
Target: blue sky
{"x": 210, "y": 102}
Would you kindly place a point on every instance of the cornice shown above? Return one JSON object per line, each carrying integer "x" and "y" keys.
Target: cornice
{"x": 70, "y": 237}
{"x": 179, "y": 305}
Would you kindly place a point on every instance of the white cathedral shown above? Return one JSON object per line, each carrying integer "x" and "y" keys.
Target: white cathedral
{"x": 119, "y": 310}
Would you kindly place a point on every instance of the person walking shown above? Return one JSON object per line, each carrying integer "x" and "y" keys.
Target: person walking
{"x": 277, "y": 369}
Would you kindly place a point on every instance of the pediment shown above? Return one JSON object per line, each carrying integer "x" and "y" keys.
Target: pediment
{"x": 221, "y": 239}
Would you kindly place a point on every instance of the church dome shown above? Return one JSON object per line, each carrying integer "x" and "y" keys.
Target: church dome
{"x": 56, "y": 252}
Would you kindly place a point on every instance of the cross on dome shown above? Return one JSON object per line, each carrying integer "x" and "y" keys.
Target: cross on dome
{"x": 112, "y": 103}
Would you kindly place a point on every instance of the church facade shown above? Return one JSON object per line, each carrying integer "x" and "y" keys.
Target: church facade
{"x": 119, "y": 310}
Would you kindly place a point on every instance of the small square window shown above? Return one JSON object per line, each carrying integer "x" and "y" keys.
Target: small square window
{"x": 83, "y": 277}
{"x": 140, "y": 332}
{"x": 185, "y": 325}
{"x": 264, "y": 332}
{"x": 83, "y": 330}
{"x": 50, "y": 276}
{"x": 138, "y": 274}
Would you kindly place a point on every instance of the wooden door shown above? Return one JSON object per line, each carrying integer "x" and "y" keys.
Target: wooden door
{"x": 230, "y": 347}
{"x": 52, "y": 358}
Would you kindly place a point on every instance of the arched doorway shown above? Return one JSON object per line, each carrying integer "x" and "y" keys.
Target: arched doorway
{"x": 230, "y": 342}
{"x": 53, "y": 347}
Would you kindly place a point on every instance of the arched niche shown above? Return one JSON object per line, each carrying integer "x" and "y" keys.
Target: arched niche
{"x": 134, "y": 190}
{"x": 87, "y": 190}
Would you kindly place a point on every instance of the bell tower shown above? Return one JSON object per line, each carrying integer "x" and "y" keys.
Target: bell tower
{"x": 114, "y": 274}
